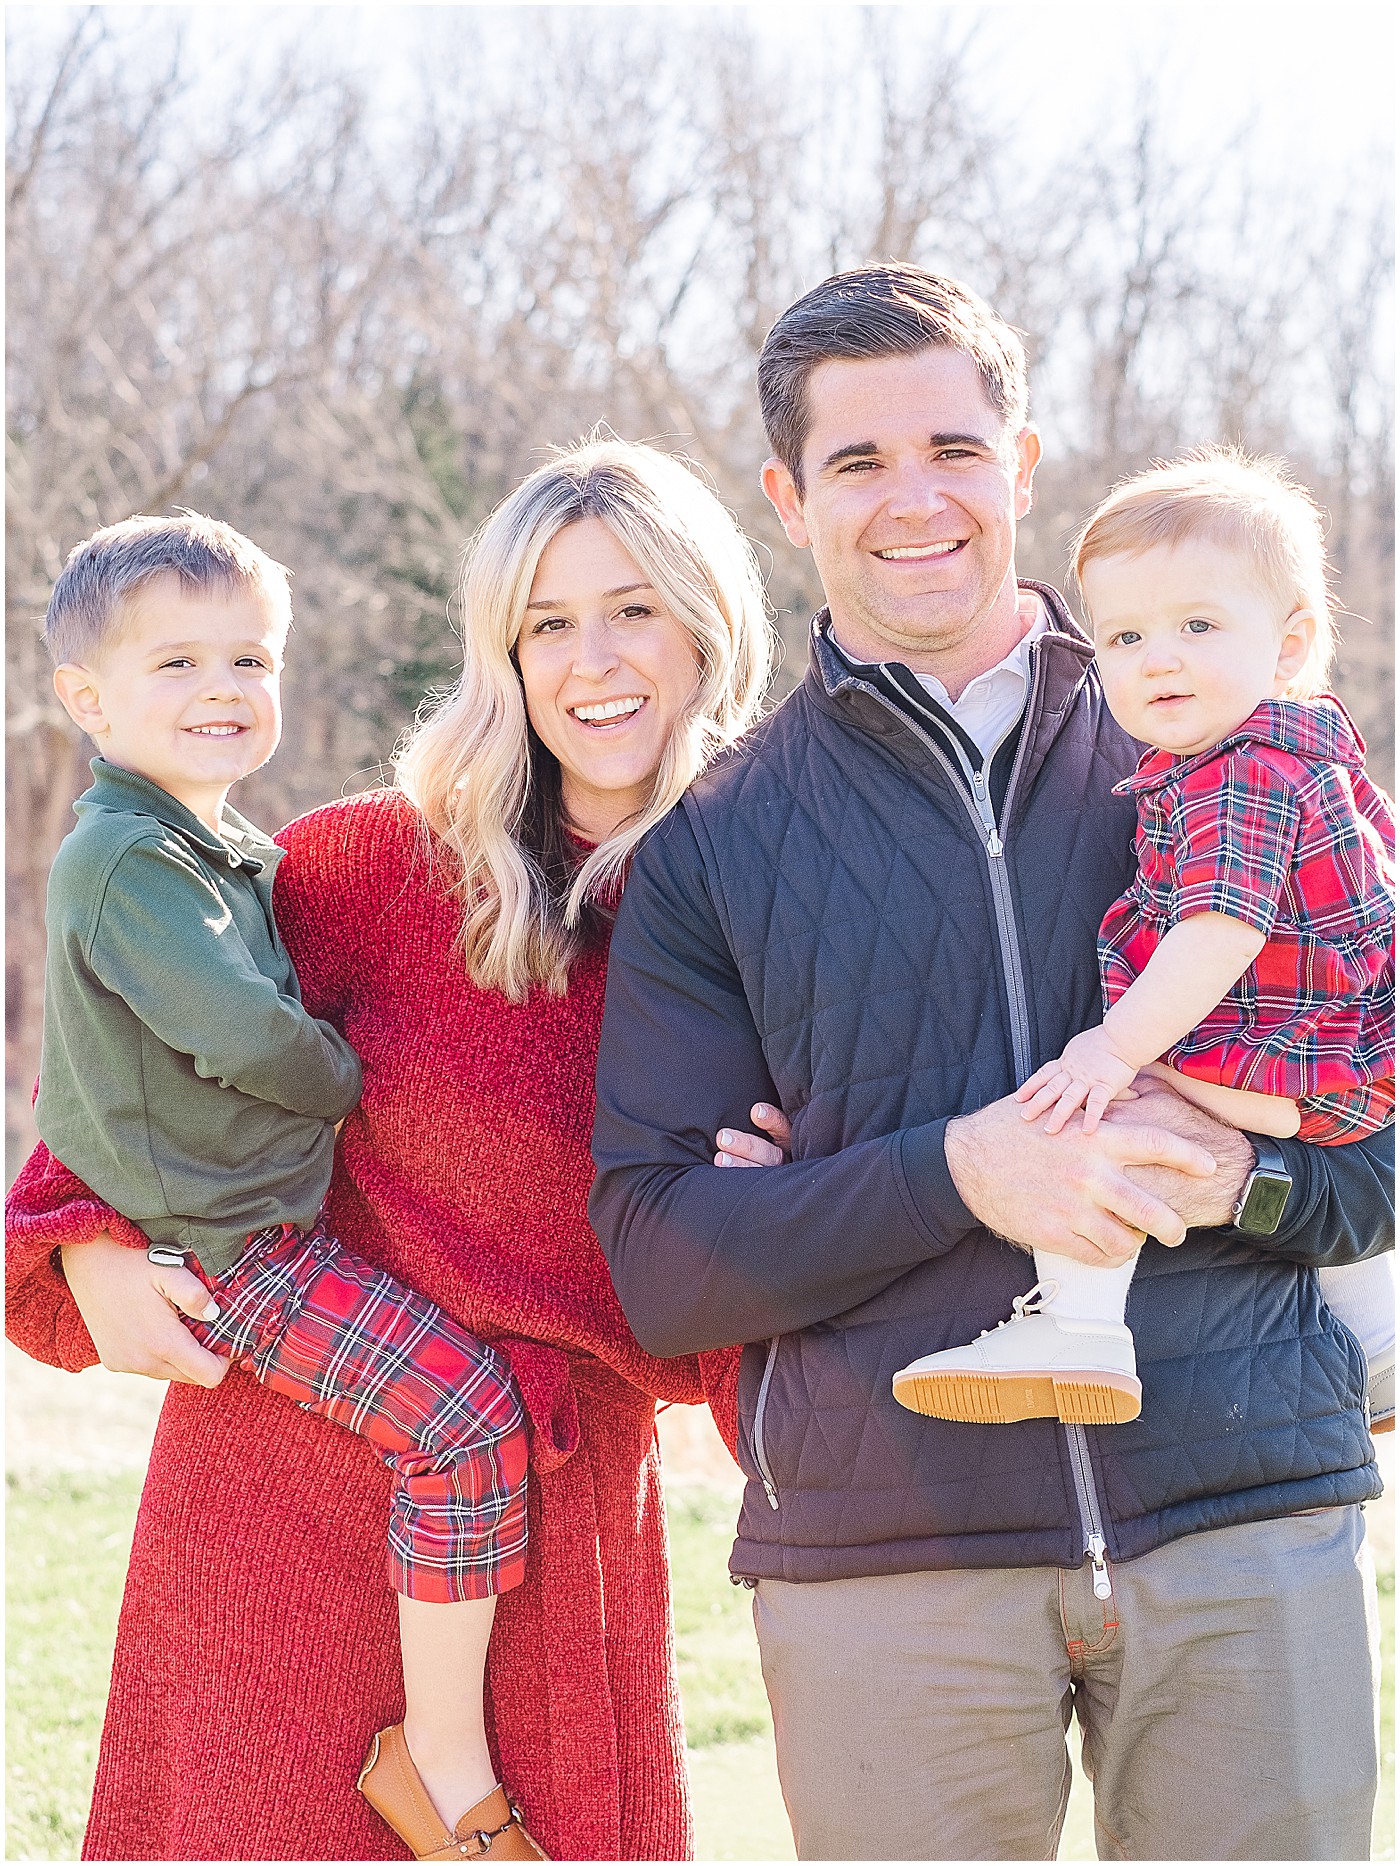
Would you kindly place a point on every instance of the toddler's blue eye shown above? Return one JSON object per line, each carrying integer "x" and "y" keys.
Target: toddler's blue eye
{"x": 1198, "y": 626}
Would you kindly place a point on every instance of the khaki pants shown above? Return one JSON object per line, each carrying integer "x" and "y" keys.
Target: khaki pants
{"x": 1227, "y": 1693}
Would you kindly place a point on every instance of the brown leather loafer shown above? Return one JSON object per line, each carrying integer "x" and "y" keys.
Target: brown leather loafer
{"x": 393, "y": 1787}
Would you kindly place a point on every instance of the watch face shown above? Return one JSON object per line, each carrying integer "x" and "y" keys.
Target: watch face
{"x": 1264, "y": 1202}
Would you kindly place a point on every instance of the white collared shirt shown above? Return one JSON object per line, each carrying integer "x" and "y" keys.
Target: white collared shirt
{"x": 991, "y": 703}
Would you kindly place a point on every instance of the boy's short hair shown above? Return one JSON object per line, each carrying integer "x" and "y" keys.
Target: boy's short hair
{"x": 86, "y": 609}
{"x": 878, "y": 311}
{"x": 1250, "y": 503}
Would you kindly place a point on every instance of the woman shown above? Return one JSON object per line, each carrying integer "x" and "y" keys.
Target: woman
{"x": 455, "y": 929}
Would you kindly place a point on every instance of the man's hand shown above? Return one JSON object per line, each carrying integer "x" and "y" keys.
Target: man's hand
{"x": 132, "y": 1308}
{"x": 1074, "y": 1193}
{"x": 1195, "y": 1200}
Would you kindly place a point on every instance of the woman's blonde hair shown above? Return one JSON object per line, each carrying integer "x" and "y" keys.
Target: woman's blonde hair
{"x": 1250, "y": 503}
{"x": 487, "y": 786}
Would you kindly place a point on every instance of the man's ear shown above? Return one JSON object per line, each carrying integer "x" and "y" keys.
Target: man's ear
{"x": 785, "y": 500}
{"x": 1299, "y": 635}
{"x": 77, "y": 692}
{"x": 1027, "y": 460}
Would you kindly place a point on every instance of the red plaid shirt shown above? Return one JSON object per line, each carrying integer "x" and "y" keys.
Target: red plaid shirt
{"x": 1277, "y": 826}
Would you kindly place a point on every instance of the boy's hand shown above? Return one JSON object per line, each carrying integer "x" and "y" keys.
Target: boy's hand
{"x": 1089, "y": 1074}
{"x": 737, "y": 1148}
{"x": 132, "y": 1308}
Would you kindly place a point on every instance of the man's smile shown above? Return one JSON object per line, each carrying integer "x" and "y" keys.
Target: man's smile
{"x": 905, "y": 553}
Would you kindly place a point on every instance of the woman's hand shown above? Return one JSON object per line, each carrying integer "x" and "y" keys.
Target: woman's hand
{"x": 132, "y": 1308}
{"x": 737, "y": 1148}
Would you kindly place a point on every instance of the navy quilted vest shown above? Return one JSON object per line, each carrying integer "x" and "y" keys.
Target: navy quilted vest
{"x": 898, "y": 970}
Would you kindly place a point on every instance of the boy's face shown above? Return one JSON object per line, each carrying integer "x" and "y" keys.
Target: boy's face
{"x": 188, "y": 693}
{"x": 1189, "y": 641}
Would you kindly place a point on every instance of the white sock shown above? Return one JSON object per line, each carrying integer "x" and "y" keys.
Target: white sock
{"x": 1086, "y": 1291}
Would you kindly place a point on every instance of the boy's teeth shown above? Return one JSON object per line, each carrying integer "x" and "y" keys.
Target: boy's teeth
{"x": 216, "y": 732}
{"x": 607, "y": 709}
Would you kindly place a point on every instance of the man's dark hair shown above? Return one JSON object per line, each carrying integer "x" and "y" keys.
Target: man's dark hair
{"x": 892, "y": 310}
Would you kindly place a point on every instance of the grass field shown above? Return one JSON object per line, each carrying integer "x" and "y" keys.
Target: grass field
{"x": 68, "y": 1539}
{"x": 68, "y": 1535}
{"x": 66, "y": 1547}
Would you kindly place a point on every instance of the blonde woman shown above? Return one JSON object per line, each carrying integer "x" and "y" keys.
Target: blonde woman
{"x": 455, "y": 929}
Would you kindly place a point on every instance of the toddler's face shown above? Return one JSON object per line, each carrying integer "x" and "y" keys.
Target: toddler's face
{"x": 1189, "y": 641}
{"x": 189, "y": 692}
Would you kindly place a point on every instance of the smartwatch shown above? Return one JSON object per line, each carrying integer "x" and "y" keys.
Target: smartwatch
{"x": 1265, "y": 1192}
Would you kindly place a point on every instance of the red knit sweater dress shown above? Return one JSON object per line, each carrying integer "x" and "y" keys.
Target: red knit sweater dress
{"x": 257, "y": 1650}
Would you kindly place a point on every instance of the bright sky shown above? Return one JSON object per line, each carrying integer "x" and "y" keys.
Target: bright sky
{"x": 1315, "y": 85}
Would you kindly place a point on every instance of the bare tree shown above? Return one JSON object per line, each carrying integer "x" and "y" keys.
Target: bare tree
{"x": 349, "y": 332}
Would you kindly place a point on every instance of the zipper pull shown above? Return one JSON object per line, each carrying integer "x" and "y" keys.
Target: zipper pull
{"x": 769, "y": 1492}
{"x": 984, "y": 810}
{"x": 1097, "y": 1549}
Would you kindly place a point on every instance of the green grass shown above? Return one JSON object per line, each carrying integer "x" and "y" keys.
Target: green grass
{"x": 68, "y": 1540}
{"x": 67, "y": 1543}
{"x": 721, "y": 1684}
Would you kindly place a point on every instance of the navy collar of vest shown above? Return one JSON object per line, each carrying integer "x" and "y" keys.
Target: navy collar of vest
{"x": 116, "y": 788}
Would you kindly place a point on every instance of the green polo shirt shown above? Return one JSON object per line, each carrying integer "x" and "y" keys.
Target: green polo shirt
{"x": 181, "y": 1077}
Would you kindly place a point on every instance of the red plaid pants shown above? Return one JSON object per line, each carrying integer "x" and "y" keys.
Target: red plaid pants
{"x": 350, "y": 1343}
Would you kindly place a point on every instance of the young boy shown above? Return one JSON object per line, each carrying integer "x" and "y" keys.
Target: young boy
{"x": 1255, "y": 953}
{"x": 183, "y": 1080}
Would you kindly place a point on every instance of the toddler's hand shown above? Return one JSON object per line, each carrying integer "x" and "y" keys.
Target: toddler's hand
{"x": 736, "y": 1148}
{"x": 1089, "y": 1075}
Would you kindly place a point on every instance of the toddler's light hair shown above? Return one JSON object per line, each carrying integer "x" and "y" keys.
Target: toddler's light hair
{"x": 89, "y": 604}
{"x": 1249, "y": 503}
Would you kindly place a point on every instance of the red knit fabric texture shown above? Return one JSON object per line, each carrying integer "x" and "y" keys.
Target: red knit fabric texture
{"x": 257, "y": 1650}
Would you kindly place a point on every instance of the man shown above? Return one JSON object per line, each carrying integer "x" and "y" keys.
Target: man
{"x": 879, "y": 914}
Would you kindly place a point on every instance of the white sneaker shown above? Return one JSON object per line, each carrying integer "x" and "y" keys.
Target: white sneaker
{"x": 1038, "y": 1365}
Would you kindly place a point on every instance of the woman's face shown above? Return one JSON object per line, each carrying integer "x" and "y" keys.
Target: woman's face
{"x": 607, "y": 671}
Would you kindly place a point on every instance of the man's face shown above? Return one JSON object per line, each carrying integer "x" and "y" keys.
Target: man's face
{"x": 913, "y": 488}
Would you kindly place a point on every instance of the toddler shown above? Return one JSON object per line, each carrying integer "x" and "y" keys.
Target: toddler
{"x": 184, "y": 1081}
{"x": 1251, "y": 964}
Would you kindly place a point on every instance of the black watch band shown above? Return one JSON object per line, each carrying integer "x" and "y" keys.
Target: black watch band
{"x": 1265, "y": 1193}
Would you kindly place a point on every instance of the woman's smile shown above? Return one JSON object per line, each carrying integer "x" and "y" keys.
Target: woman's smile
{"x": 607, "y": 671}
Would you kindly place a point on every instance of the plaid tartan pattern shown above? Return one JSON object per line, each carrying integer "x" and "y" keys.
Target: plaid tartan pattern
{"x": 350, "y": 1343}
{"x": 1279, "y": 827}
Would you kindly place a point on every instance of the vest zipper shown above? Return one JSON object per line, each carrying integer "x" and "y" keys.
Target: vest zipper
{"x": 1085, "y": 1491}
{"x": 979, "y": 806}
{"x": 760, "y": 1456}
{"x": 978, "y": 802}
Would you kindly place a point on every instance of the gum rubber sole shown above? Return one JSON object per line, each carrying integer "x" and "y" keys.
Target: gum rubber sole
{"x": 1082, "y": 1398}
